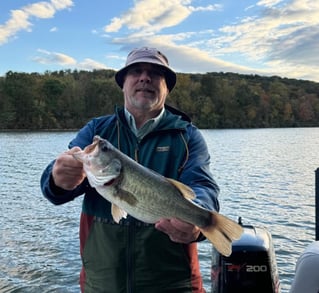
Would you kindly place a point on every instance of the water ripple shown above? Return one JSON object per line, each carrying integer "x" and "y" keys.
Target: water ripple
{"x": 264, "y": 175}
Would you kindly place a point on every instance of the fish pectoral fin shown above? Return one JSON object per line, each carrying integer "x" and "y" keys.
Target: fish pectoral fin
{"x": 222, "y": 232}
{"x": 126, "y": 196}
{"x": 186, "y": 191}
{"x": 122, "y": 195}
{"x": 118, "y": 213}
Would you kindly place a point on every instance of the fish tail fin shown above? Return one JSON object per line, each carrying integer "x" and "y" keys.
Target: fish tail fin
{"x": 222, "y": 232}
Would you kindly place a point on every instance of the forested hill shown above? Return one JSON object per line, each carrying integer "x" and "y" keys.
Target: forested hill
{"x": 68, "y": 99}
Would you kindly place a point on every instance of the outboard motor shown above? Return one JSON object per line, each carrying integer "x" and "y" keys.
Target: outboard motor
{"x": 251, "y": 268}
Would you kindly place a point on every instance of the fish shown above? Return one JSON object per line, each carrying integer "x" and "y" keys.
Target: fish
{"x": 148, "y": 196}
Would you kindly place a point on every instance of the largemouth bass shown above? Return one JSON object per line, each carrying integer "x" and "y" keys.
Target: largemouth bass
{"x": 148, "y": 196}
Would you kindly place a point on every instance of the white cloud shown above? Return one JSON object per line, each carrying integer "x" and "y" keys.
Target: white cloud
{"x": 152, "y": 16}
{"x": 276, "y": 36}
{"x": 20, "y": 18}
{"x": 89, "y": 64}
{"x": 115, "y": 25}
{"x": 40, "y": 10}
{"x": 206, "y": 8}
{"x": 268, "y": 3}
{"x": 281, "y": 38}
{"x": 53, "y": 58}
{"x": 62, "y": 4}
{"x": 184, "y": 58}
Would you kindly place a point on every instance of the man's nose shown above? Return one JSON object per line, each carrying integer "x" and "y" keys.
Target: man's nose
{"x": 146, "y": 76}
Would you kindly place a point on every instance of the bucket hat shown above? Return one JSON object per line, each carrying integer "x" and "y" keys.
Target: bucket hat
{"x": 147, "y": 55}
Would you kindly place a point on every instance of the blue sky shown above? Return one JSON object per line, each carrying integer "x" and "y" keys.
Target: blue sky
{"x": 266, "y": 37}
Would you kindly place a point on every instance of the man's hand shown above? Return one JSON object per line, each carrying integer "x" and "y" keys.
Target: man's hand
{"x": 68, "y": 172}
{"x": 177, "y": 230}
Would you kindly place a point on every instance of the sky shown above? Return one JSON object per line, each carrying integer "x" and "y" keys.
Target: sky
{"x": 265, "y": 37}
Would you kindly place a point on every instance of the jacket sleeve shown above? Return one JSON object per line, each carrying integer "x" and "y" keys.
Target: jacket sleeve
{"x": 196, "y": 173}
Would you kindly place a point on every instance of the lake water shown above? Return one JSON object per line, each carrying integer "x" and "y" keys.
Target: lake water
{"x": 266, "y": 176}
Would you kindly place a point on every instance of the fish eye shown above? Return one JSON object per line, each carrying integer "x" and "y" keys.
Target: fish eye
{"x": 118, "y": 169}
{"x": 104, "y": 147}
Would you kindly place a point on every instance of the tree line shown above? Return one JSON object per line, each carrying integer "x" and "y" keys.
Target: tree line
{"x": 68, "y": 99}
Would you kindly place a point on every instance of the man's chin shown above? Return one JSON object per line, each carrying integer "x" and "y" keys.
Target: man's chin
{"x": 145, "y": 103}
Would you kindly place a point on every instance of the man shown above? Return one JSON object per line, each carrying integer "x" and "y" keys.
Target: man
{"x": 133, "y": 256}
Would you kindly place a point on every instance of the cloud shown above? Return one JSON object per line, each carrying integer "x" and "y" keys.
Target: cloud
{"x": 20, "y": 18}
{"x": 268, "y": 3}
{"x": 153, "y": 16}
{"x": 278, "y": 37}
{"x": 282, "y": 40}
{"x": 145, "y": 26}
{"x": 53, "y": 58}
{"x": 40, "y": 10}
{"x": 18, "y": 21}
{"x": 277, "y": 29}
{"x": 206, "y": 8}
{"x": 184, "y": 58}
{"x": 61, "y": 4}
{"x": 89, "y": 64}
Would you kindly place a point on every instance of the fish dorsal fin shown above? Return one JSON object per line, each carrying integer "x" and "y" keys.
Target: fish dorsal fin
{"x": 117, "y": 213}
{"x": 185, "y": 190}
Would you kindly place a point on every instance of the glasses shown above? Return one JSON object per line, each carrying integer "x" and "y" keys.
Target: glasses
{"x": 153, "y": 73}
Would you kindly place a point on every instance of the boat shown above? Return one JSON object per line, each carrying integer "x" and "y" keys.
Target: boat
{"x": 252, "y": 266}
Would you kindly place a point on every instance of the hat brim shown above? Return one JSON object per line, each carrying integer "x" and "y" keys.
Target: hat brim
{"x": 170, "y": 75}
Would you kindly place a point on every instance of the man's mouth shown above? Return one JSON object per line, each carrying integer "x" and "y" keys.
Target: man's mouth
{"x": 145, "y": 90}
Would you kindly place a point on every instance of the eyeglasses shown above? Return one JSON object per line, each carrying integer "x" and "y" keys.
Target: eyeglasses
{"x": 154, "y": 73}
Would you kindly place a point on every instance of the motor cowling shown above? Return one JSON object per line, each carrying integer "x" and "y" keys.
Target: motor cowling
{"x": 251, "y": 267}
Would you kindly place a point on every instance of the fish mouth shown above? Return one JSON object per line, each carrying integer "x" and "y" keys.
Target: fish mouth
{"x": 113, "y": 181}
{"x": 96, "y": 181}
{"x": 110, "y": 182}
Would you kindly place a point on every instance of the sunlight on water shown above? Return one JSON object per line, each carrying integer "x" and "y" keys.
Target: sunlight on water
{"x": 39, "y": 248}
{"x": 266, "y": 176}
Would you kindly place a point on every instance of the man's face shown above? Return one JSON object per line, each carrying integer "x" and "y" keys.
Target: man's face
{"x": 144, "y": 87}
